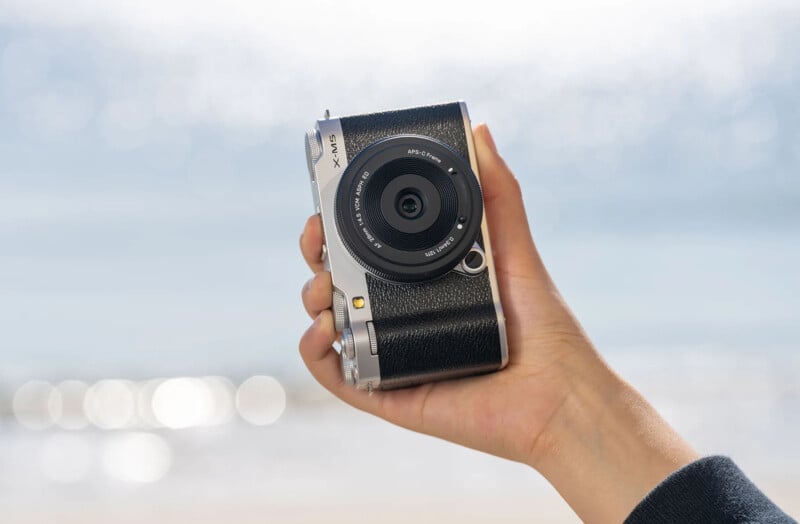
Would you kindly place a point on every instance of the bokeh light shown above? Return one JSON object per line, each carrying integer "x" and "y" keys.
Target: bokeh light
{"x": 136, "y": 457}
{"x": 260, "y": 400}
{"x": 183, "y": 402}
{"x": 144, "y": 402}
{"x": 175, "y": 403}
{"x": 73, "y": 395}
{"x": 111, "y": 404}
{"x": 223, "y": 392}
{"x": 36, "y": 404}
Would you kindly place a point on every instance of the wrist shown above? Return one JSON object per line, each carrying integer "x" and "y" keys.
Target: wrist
{"x": 605, "y": 447}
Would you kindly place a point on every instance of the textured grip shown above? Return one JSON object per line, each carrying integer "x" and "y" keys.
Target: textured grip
{"x": 443, "y": 122}
{"x": 437, "y": 329}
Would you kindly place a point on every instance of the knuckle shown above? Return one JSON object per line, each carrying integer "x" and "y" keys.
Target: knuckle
{"x": 317, "y": 284}
{"x": 327, "y": 282}
{"x": 514, "y": 187}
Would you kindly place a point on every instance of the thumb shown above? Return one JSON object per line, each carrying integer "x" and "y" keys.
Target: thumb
{"x": 512, "y": 244}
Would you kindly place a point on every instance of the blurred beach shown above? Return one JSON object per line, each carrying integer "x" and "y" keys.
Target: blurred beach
{"x": 321, "y": 461}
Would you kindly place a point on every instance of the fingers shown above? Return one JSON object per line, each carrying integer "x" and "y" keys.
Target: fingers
{"x": 318, "y": 354}
{"x": 510, "y": 233}
{"x": 311, "y": 243}
{"x": 318, "y": 293}
{"x": 316, "y": 347}
{"x": 316, "y": 343}
{"x": 323, "y": 362}
{"x": 402, "y": 407}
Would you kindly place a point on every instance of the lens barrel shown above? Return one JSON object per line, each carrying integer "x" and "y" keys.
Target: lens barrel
{"x": 408, "y": 208}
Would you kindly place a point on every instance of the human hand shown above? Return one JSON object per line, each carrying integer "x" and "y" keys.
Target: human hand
{"x": 482, "y": 412}
{"x": 551, "y": 397}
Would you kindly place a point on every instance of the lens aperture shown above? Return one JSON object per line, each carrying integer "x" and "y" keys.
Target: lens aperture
{"x": 410, "y": 206}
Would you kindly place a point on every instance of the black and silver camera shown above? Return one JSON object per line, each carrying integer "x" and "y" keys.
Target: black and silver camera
{"x": 415, "y": 292}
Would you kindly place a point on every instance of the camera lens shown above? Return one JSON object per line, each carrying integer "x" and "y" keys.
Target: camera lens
{"x": 402, "y": 213}
{"x": 410, "y": 205}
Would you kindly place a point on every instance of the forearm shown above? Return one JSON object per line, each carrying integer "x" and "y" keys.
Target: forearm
{"x": 606, "y": 447}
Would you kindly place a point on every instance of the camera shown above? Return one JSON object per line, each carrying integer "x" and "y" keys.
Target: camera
{"x": 415, "y": 292}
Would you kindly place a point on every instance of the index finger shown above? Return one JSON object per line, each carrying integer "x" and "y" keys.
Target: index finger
{"x": 311, "y": 241}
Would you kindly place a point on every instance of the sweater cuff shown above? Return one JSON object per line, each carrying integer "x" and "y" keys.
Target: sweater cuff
{"x": 712, "y": 489}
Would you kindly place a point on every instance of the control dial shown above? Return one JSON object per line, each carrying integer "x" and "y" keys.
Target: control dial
{"x": 348, "y": 344}
{"x": 339, "y": 311}
{"x": 348, "y": 354}
{"x": 348, "y": 371}
{"x": 313, "y": 148}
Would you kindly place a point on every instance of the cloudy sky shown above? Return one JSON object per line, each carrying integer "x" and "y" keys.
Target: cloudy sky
{"x": 152, "y": 177}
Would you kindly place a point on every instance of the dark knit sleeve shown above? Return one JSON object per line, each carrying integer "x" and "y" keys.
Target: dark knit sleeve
{"x": 710, "y": 490}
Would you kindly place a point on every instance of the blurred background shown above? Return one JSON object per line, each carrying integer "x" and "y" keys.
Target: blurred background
{"x": 153, "y": 186}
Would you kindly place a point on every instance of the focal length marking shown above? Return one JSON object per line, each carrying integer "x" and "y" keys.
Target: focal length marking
{"x": 425, "y": 154}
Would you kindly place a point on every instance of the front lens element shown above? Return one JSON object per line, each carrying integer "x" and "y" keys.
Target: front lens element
{"x": 410, "y": 205}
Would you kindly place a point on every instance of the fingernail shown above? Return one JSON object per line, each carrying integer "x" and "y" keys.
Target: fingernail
{"x": 490, "y": 139}
{"x": 317, "y": 321}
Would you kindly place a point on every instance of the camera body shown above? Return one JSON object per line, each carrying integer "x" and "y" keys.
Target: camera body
{"x": 415, "y": 293}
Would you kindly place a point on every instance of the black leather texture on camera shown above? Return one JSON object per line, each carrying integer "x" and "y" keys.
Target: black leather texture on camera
{"x": 442, "y": 122}
{"x": 441, "y": 328}
{"x": 435, "y": 329}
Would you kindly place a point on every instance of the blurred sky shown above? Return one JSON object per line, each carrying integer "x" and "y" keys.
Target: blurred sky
{"x": 153, "y": 180}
